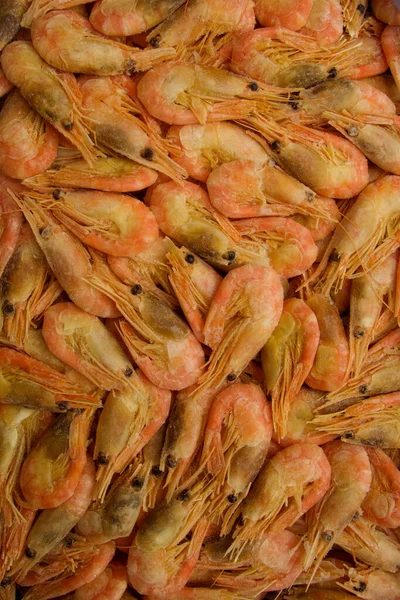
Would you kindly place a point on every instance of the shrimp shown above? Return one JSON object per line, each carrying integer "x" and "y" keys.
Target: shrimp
{"x": 5, "y": 85}
{"x": 13, "y": 537}
{"x": 10, "y": 223}
{"x": 330, "y": 368}
{"x": 360, "y": 239}
{"x": 185, "y": 213}
{"x": 330, "y": 165}
{"x": 131, "y": 17}
{"x": 371, "y": 58}
{"x": 200, "y": 593}
{"x": 288, "y": 486}
{"x": 195, "y": 283}
{"x": 353, "y": 15}
{"x": 180, "y": 93}
{"x": 84, "y": 343}
{"x": 128, "y": 421}
{"x": 53, "y": 524}
{"x": 67, "y": 41}
{"x": 386, "y": 84}
{"x": 68, "y": 259}
{"x": 290, "y": 14}
{"x": 109, "y": 585}
{"x": 204, "y": 148}
{"x": 55, "y": 96}
{"x": 38, "y": 8}
{"x": 372, "y": 584}
{"x": 325, "y": 22}
{"x": 85, "y": 573}
{"x": 350, "y": 482}
{"x": 112, "y": 109}
{"x": 318, "y": 594}
{"x": 386, "y": 11}
{"x": 243, "y": 313}
{"x": 106, "y": 174}
{"x": 382, "y": 503}
{"x": 287, "y": 358}
{"x": 28, "y": 382}
{"x": 203, "y": 27}
{"x": 291, "y": 247}
{"x": 391, "y": 47}
{"x": 236, "y": 441}
{"x": 28, "y": 145}
{"x": 11, "y": 13}
{"x": 51, "y": 471}
{"x": 116, "y": 224}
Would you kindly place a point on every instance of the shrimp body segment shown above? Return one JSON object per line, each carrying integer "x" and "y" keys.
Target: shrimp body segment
{"x": 382, "y": 503}
{"x": 10, "y": 225}
{"x": 325, "y": 22}
{"x": 68, "y": 42}
{"x": 5, "y": 85}
{"x": 283, "y": 13}
{"x": 391, "y": 47}
{"x": 386, "y": 11}
{"x": 28, "y": 145}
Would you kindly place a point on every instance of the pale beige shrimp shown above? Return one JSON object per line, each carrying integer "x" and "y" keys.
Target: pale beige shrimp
{"x": 181, "y": 93}
{"x": 287, "y": 358}
{"x": 194, "y": 283}
{"x": 386, "y": 84}
{"x": 386, "y": 11}
{"x": 373, "y": 584}
{"x": 10, "y": 221}
{"x": 203, "y": 27}
{"x": 55, "y": 96}
{"x": 11, "y": 13}
{"x": 362, "y": 238}
{"x": 371, "y": 59}
{"x": 53, "y": 524}
{"x": 128, "y": 421}
{"x": 184, "y": 213}
{"x": 350, "y": 482}
{"x": 130, "y": 17}
{"x": 38, "y": 8}
{"x": 110, "y": 105}
{"x": 290, "y": 14}
{"x": 68, "y": 259}
{"x": 243, "y": 313}
{"x": 353, "y": 15}
{"x": 289, "y": 485}
{"x": 327, "y": 163}
{"x": 325, "y": 22}
{"x": 106, "y": 174}
{"x": 28, "y": 145}
{"x": 202, "y": 148}
{"x": 5, "y": 85}
{"x": 67, "y": 41}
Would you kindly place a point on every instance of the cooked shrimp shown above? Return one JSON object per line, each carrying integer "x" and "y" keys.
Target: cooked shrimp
{"x": 115, "y": 224}
{"x": 13, "y": 538}
{"x": 68, "y": 259}
{"x": 30, "y": 383}
{"x": 181, "y": 93}
{"x": 109, "y": 585}
{"x": 131, "y": 17}
{"x": 371, "y": 58}
{"x": 360, "y": 239}
{"x": 67, "y": 41}
{"x": 195, "y": 283}
{"x": 353, "y": 15}
{"x": 11, "y": 13}
{"x": 291, "y": 249}
{"x": 84, "y": 573}
{"x": 203, "y": 593}
{"x": 386, "y": 11}
{"x": 51, "y": 471}
{"x": 299, "y": 593}
{"x": 373, "y": 584}
{"x": 185, "y": 213}
{"x": 28, "y": 145}
{"x": 128, "y": 421}
{"x": 325, "y": 22}
{"x": 391, "y": 47}
{"x": 84, "y": 343}
{"x": 382, "y": 503}
{"x": 55, "y": 96}
{"x": 5, "y": 85}
{"x": 106, "y": 174}
{"x": 288, "y": 357}
{"x": 53, "y": 524}
{"x": 290, "y": 14}
{"x": 10, "y": 223}
{"x": 386, "y": 84}
{"x": 204, "y": 147}
{"x": 351, "y": 479}
{"x": 38, "y": 8}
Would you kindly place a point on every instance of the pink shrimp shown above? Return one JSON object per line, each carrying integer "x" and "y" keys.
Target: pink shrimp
{"x": 10, "y": 222}
{"x": 38, "y": 8}
{"x": 283, "y": 13}
{"x": 372, "y": 584}
{"x": 386, "y": 11}
{"x": 371, "y": 59}
{"x": 325, "y": 22}
{"x": 391, "y": 47}
{"x": 5, "y": 85}
{"x": 382, "y": 503}
{"x": 110, "y": 584}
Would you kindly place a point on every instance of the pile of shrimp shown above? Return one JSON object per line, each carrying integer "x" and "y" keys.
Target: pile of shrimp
{"x": 199, "y": 299}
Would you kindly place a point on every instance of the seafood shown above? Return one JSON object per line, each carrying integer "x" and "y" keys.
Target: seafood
{"x": 5, "y": 85}
{"x": 386, "y": 11}
{"x": 283, "y": 13}
{"x": 391, "y": 46}
{"x": 381, "y": 503}
{"x": 37, "y": 8}
{"x": 373, "y": 584}
{"x": 11, "y": 13}
{"x": 325, "y": 22}
{"x": 10, "y": 224}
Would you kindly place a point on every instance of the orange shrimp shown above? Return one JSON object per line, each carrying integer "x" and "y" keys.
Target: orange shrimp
{"x": 10, "y": 222}
{"x": 115, "y": 224}
{"x": 371, "y": 59}
{"x": 11, "y": 13}
{"x": 382, "y": 503}
{"x": 290, "y": 14}
{"x": 325, "y": 22}
{"x": 353, "y": 16}
{"x": 28, "y": 145}
{"x": 55, "y": 96}
{"x": 132, "y": 17}
{"x": 372, "y": 584}
{"x": 51, "y": 471}
{"x": 38, "y": 8}
{"x": 287, "y": 358}
{"x": 5, "y": 85}
{"x": 106, "y": 174}
{"x": 109, "y": 585}
{"x": 391, "y": 47}
{"x": 67, "y": 41}
{"x": 386, "y": 11}
{"x": 13, "y": 537}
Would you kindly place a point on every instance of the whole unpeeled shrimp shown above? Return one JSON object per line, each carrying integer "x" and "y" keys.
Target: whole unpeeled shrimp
{"x": 325, "y": 22}
{"x": 10, "y": 223}
{"x": 290, "y": 14}
{"x": 38, "y": 8}
{"x": 28, "y": 145}
{"x": 288, "y": 357}
{"x": 11, "y": 13}
{"x": 109, "y": 585}
{"x": 386, "y": 11}
{"x": 373, "y": 584}
{"x": 67, "y": 41}
{"x": 382, "y": 503}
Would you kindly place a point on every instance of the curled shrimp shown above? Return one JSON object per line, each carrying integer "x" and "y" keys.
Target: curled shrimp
{"x": 243, "y": 313}
{"x": 38, "y": 8}
{"x": 10, "y": 223}
{"x": 132, "y": 17}
{"x": 325, "y": 22}
{"x": 290, "y": 14}
{"x": 84, "y": 343}
{"x": 350, "y": 482}
{"x": 386, "y": 11}
{"x": 128, "y": 421}
{"x": 28, "y": 145}
{"x": 287, "y": 358}
{"x": 67, "y": 41}
{"x": 11, "y": 13}
{"x": 106, "y": 174}
{"x": 291, "y": 249}
{"x": 382, "y": 503}
{"x": 115, "y": 224}
{"x": 51, "y": 471}
{"x": 55, "y": 96}
{"x": 184, "y": 212}
{"x": 110, "y": 584}
{"x": 371, "y": 60}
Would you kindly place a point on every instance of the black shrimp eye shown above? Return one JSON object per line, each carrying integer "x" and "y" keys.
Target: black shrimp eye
{"x": 253, "y": 86}
{"x": 334, "y": 256}
{"x": 137, "y": 483}
{"x": 275, "y": 146}
{"x": 130, "y": 66}
{"x": 8, "y": 308}
{"x": 361, "y": 8}
{"x": 352, "y": 131}
{"x": 68, "y": 125}
{"x": 332, "y": 73}
{"x": 57, "y": 194}
{"x": 231, "y": 377}
{"x": 102, "y": 459}
{"x": 128, "y": 372}
{"x": 189, "y": 258}
{"x": 68, "y": 542}
{"x": 358, "y": 332}
{"x": 363, "y": 389}
{"x": 348, "y": 435}
{"x": 5, "y": 582}
{"x": 136, "y": 290}
{"x": 62, "y": 405}
{"x": 184, "y": 495}
{"x": 30, "y": 553}
{"x": 327, "y": 536}
{"x": 156, "y": 471}
{"x": 156, "y": 41}
{"x": 171, "y": 462}
{"x": 356, "y": 516}
{"x": 360, "y": 587}
{"x": 147, "y": 154}
{"x": 232, "y": 498}
{"x": 230, "y": 255}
